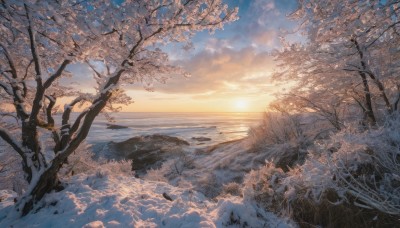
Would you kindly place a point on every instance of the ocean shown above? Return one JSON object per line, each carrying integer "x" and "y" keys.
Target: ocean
{"x": 219, "y": 127}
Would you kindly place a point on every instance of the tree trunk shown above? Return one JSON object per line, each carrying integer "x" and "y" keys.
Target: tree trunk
{"x": 47, "y": 182}
{"x": 369, "y": 116}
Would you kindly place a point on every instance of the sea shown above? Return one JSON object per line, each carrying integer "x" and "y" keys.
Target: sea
{"x": 218, "y": 127}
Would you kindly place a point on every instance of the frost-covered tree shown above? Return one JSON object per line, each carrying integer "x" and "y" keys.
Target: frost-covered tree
{"x": 39, "y": 39}
{"x": 351, "y": 55}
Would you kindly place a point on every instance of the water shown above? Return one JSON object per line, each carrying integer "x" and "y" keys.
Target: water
{"x": 219, "y": 127}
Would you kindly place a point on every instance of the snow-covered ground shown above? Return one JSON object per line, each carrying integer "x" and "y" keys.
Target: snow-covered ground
{"x": 97, "y": 196}
{"x": 103, "y": 199}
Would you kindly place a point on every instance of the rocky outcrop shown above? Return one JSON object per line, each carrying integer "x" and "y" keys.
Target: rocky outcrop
{"x": 201, "y": 139}
{"x": 115, "y": 126}
{"x": 149, "y": 151}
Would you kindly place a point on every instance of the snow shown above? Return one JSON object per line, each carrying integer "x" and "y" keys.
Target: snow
{"x": 102, "y": 199}
{"x": 7, "y": 198}
{"x": 208, "y": 170}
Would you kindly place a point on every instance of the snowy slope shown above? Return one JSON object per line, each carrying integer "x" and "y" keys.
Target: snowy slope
{"x": 107, "y": 200}
{"x": 208, "y": 170}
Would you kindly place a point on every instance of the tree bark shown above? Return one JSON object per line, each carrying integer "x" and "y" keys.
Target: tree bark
{"x": 47, "y": 182}
{"x": 369, "y": 116}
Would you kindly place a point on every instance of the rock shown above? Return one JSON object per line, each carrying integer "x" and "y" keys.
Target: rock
{"x": 167, "y": 197}
{"x": 115, "y": 126}
{"x": 201, "y": 139}
{"x": 148, "y": 152}
{"x": 94, "y": 224}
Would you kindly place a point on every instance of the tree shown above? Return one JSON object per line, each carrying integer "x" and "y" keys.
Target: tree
{"x": 351, "y": 55}
{"x": 39, "y": 39}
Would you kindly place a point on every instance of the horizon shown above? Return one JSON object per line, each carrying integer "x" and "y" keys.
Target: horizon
{"x": 230, "y": 69}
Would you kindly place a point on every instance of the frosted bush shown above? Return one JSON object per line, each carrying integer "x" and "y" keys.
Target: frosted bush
{"x": 284, "y": 137}
{"x": 353, "y": 170}
{"x": 208, "y": 185}
{"x": 123, "y": 167}
{"x": 83, "y": 161}
{"x": 276, "y": 128}
{"x": 156, "y": 175}
{"x": 367, "y": 166}
{"x": 232, "y": 188}
{"x": 11, "y": 175}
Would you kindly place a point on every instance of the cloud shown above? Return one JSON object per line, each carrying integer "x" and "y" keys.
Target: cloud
{"x": 214, "y": 44}
{"x": 222, "y": 71}
{"x": 266, "y": 38}
{"x": 235, "y": 61}
{"x": 265, "y": 20}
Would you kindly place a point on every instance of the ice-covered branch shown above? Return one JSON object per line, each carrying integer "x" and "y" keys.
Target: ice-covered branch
{"x": 10, "y": 61}
{"x": 33, "y": 45}
{"x": 396, "y": 102}
{"x": 98, "y": 74}
{"x": 37, "y": 102}
{"x": 12, "y": 142}
{"x": 77, "y": 122}
{"x": 66, "y": 126}
{"x": 49, "y": 109}
{"x": 88, "y": 117}
{"x": 57, "y": 74}
{"x": 364, "y": 70}
{"x": 6, "y": 88}
{"x": 393, "y": 25}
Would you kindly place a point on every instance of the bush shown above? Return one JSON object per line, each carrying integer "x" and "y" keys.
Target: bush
{"x": 232, "y": 188}
{"x": 276, "y": 128}
{"x": 349, "y": 180}
{"x": 84, "y": 161}
{"x": 283, "y": 137}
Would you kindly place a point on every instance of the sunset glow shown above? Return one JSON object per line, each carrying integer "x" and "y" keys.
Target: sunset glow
{"x": 241, "y": 105}
{"x": 224, "y": 67}
{"x": 199, "y": 113}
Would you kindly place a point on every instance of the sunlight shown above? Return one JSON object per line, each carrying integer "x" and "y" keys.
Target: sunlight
{"x": 241, "y": 105}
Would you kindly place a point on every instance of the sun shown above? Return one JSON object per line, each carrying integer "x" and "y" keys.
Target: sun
{"x": 241, "y": 105}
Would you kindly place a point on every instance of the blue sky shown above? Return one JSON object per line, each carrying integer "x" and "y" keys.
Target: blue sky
{"x": 228, "y": 68}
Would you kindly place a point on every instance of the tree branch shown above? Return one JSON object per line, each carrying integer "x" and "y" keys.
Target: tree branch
{"x": 396, "y": 103}
{"x": 97, "y": 105}
{"x": 32, "y": 40}
{"x": 94, "y": 69}
{"x": 36, "y": 59}
{"x": 6, "y": 88}
{"x": 10, "y": 61}
{"x": 57, "y": 74}
{"x": 77, "y": 122}
{"x": 49, "y": 110}
{"x": 66, "y": 126}
{"x": 383, "y": 32}
{"x": 8, "y": 138}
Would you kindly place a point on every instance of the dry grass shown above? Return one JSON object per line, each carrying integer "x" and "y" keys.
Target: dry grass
{"x": 308, "y": 213}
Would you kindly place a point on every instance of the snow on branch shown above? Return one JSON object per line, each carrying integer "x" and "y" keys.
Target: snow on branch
{"x": 12, "y": 142}
{"x": 6, "y": 88}
{"x": 10, "y": 61}
{"x": 57, "y": 74}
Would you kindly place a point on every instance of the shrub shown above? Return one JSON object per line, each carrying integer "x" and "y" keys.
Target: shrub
{"x": 349, "y": 180}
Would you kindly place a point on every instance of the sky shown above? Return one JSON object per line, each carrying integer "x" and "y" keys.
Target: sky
{"x": 230, "y": 69}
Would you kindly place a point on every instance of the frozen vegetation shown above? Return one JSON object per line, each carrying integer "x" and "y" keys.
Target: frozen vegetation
{"x": 287, "y": 175}
{"x": 326, "y": 154}
{"x": 110, "y": 198}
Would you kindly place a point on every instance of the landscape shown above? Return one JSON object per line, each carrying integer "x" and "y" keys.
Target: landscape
{"x": 199, "y": 113}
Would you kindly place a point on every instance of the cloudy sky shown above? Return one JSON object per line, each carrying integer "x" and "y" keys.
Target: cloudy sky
{"x": 229, "y": 69}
